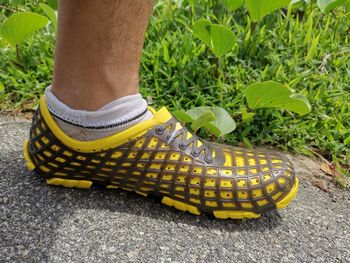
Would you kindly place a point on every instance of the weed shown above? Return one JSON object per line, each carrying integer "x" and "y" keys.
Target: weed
{"x": 304, "y": 48}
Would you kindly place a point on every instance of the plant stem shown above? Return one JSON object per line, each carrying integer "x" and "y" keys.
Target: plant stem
{"x": 253, "y": 26}
{"x": 17, "y": 54}
{"x": 17, "y": 64}
{"x": 193, "y": 11}
{"x": 219, "y": 77}
{"x": 311, "y": 7}
{"x": 217, "y": 69}
{"x": 7, "y": 8}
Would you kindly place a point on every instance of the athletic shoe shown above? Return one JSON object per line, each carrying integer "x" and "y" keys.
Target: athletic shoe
{"x": 161, "y": 157}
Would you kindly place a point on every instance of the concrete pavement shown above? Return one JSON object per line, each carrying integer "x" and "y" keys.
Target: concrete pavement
{"x": 39, "y": 223}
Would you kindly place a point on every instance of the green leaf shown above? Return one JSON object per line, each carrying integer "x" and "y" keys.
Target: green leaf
{"x": 271, "y": 94}
{"x": 247, "y": 143}
{"x": 313, "y": 48}
{"x": 328, "y": 5}
{"x": 347, "y": 141}
{"x": 260, "y": 8}
{"x": 309, "y": 25}
{"x": 299, "y": 104}
{"x": 15, "y": 2}
{"x": 343, "y": 178}
{"x": 247, "y": 116}
{"x": 183, "y": 116}
{"x": 298, "y": 3}
{"x": 165, "y": 53}
{"x": 233, "y": 5}
{"x": 52, "y": 4}
{"x": 2, "y": 88}
{"x": 203, "y": 119}
{"x": 223, "y": 40}
{"x": 51, "y": 14}
{"x": 20, "y": 25}
{"x": 347, "y": 6}
{"x": 218, "y": 37}
{"x": 201, "y": 29}
{"x": 223, "y": 124}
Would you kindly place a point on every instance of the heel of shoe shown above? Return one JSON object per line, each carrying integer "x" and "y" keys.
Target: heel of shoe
{"x": 29, "y": 163}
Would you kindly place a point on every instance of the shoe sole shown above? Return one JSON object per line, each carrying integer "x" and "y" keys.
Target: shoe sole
{"x": 220, "y": 214}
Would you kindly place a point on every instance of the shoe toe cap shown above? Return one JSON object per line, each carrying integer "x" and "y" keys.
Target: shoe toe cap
{"x": 282, "y": 179}
{"x": 262, "y": 179}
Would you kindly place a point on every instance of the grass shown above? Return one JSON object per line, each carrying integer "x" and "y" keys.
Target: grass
{"x": 179, "y": 71}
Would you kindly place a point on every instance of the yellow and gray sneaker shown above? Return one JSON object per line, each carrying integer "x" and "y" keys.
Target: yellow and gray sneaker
{"x": 161, "y": 157}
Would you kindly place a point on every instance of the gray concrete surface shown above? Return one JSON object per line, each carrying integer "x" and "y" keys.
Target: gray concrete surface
{"x": 39, "y": 223}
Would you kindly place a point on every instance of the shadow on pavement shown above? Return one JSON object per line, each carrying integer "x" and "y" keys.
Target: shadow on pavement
{"x": 31, "y": 211}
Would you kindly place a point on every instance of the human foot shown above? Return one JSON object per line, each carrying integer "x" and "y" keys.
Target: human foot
{"x": 161, "y": 157}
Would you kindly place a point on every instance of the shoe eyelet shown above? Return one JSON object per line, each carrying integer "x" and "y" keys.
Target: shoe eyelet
{"x": 195, "y": 153}
{"x": 159, "y": 131}
{"x": 208, "y": 160}
{"x": 182, "y": 146}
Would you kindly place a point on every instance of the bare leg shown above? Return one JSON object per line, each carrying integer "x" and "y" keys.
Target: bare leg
{"x": 98, "y": 51}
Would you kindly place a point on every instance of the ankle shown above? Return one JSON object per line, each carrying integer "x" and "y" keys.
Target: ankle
{"x": 85, "y": 125}
{"x": 90, "y": 90}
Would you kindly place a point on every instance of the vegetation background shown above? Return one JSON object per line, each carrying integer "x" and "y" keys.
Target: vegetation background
{"x": 303, "y": 47}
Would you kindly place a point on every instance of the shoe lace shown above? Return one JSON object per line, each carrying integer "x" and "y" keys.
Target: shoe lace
{"x": 173, "y": 133}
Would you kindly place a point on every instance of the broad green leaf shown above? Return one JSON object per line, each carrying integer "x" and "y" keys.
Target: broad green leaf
{"x": 260, "y": 8}
{"x": 212, "y": 129}
{"x": 182, "y": 116}
{"x": 218, "y": 37}
{"x": 223, "y": 40}
{"x": 51, "y": 14}
{"x": 203, "y": 119}
{"x": 202, "y": 30}
{"x": 271, "y": 94}
{"x": 233, "y": 5}
{"x": 20, "y": 25}
{"x": 328, "y": 5}
{"x": 223, "y": 123}
{"x": 299, "y": 104}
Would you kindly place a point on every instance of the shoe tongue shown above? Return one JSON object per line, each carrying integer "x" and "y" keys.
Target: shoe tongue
{"x": 163, "y": 115}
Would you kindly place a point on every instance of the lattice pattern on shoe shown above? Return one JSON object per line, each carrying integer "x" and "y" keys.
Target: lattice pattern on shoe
{"x": 236, "y": 179}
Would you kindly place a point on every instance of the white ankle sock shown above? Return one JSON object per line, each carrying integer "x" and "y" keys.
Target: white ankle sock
{"x": 114, "y": 117}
